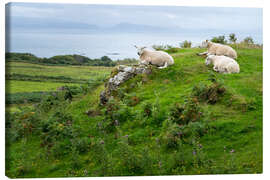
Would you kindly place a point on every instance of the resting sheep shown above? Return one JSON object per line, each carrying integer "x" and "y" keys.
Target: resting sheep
{"x": 219, "y": 49}
{"x": 158, "y": 58}
{"x": 223, "y": 64}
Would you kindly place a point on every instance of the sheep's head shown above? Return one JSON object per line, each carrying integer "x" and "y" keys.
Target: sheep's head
{"x": 206, "y": 44}
{"x": 139, "y": 49}
{"x": 208, "y": 60}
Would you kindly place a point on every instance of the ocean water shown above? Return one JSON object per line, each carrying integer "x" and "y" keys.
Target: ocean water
{"x": 96, "y": 45}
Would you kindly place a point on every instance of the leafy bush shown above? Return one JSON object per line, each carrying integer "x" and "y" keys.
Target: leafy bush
{"x": 170, "y": 134}
{"x": 167, "y": 48}
{"x": 186, "y": 113}
{"x": 185, "y": 44}
{"x": 21, "y": 123}
{"x": 57, "y": 132}
{"x": 56, "y": 99}
{"x": 232, "y": 38}
{"x": 219, "y": 39}
{"x": 209, "y": 93}
{"x": 115, "y": 112}
{"x": 248, "y": 40}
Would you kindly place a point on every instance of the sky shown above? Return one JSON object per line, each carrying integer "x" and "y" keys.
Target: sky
{"x": 53, "y": 17}
{"x": 48, "y": 29}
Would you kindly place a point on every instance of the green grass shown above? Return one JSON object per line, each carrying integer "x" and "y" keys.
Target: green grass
{"x": 75, "y": 72}
{"x": 14, "y": 86}
{"x": 227, "y": 139}
{"x": 26, "y": 81}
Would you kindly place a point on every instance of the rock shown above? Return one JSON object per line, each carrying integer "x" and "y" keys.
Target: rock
{"x": 120, "y": 75}
{"x": 103, "y": 98}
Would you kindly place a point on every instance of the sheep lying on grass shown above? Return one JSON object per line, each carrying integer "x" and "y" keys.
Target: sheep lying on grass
{"x": 158, "y": 58}
{"x": 219, "y": 49}
{"x": 223, "y": 64}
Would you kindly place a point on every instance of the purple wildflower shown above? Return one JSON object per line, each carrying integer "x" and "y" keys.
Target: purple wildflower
{"x": 101, "y": 142}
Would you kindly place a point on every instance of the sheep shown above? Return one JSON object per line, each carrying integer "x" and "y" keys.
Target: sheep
{"x": 218, "y": 49}
{"x": 223, "y": 64}
{"x": 158, "y": 58}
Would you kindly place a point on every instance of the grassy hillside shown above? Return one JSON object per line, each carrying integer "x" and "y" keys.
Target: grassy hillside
{"x": 185, "y": 119}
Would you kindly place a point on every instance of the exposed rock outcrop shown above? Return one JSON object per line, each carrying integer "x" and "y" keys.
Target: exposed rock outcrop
{"x": 119, "y": 75}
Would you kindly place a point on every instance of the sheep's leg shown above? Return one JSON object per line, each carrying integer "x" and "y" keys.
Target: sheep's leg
{"x": 144, "y": 62}
{"x": 203, "y": 53}
{"x": 165, "y": 65}
{"x": 215, "y": 68}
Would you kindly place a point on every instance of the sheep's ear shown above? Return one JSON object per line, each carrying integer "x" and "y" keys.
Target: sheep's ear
{"x": 206, "y": 40}
{"x": 143, "y": 47}
{"x": 136, "y": 46}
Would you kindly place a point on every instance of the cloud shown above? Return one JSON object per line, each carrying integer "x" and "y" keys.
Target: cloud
{"x": 104, "y": 16}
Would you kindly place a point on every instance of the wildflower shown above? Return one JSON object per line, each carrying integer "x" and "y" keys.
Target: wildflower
{"x": 101, "y": 142}
{"x": 200, "y": 146}
{"x": 126, "y": 136}
{"x": 232, "y": 151}
{"x": 194, "y": 153}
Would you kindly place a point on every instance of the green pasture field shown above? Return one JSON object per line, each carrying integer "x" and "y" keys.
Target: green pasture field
{"x": 157, "y": 124}
{"x": 75, "y": 72}
{"x": 14, "y": 86}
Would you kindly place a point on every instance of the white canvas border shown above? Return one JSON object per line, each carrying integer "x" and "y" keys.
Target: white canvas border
{"x": 219, "y": 3}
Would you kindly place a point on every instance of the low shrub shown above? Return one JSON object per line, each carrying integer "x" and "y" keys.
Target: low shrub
{"x": 209, "y": 93}
{"x": 57, "y": 132}
{"x": 116, "y": 112}
{"x": 219, "y": 39}
{"x": 185, "y": 44}
{"x": 170, "y": 134}
{"x": 21, "y": 124}
{"x": 186, "y": 113}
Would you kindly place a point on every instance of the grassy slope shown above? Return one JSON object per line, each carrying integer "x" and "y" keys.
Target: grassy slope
{"x": 232, "y": 128}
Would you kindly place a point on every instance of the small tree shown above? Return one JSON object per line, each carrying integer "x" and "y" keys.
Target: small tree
{"x": 233, "y": 38}
{"x": 185, "y": 44}
{"x": 219, "y": 39}
{"x": 248, "y": 40}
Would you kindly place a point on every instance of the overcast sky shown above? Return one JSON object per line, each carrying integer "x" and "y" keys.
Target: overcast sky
{"x": 31, "y": 16}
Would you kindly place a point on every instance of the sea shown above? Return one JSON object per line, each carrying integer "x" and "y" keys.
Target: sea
{"x": 117, "y": 46}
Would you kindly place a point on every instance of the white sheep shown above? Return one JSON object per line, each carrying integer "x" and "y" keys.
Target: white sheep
{"x": 218, "y": 49}
{"x": 223, "y": 64}
{"x": 158, "y": 58}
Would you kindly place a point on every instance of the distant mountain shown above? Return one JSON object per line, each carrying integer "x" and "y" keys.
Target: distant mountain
{"x": 47, "y": 23}
{"x": 128, "y": 27}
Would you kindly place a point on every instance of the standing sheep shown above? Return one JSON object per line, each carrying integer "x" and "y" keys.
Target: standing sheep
{"x": 158, "y": 58}
{"x": 219, "y": 49}
{"x": 223, "y": 64}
